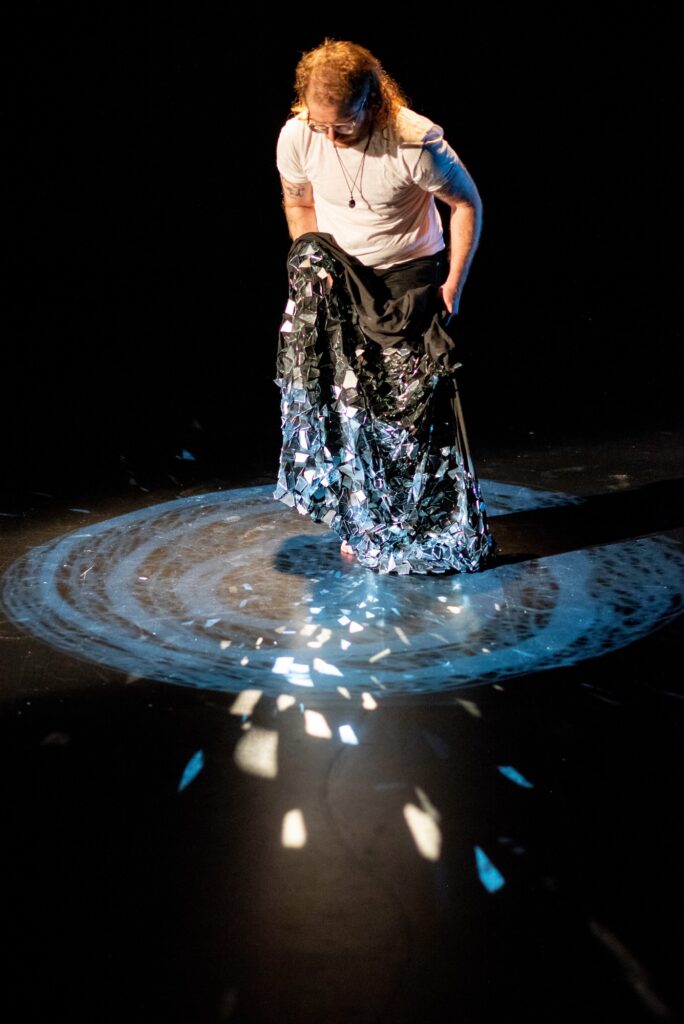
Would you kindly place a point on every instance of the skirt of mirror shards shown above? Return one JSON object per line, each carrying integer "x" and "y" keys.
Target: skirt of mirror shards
{"x": 373, "y": 441}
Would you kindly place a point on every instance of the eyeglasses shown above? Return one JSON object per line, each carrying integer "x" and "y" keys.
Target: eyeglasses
{"x": 342, "y": 128}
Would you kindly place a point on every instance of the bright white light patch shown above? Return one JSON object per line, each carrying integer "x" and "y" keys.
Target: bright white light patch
{"x": 282, "y": 665}
{"x": 285, "y": 701}
{"x": 316, "y": 725}
{"x": 426, "y": 833}
{"x": 245, "y": 702}
{"x": 325, "y": 668}
{"x": 347, "y": 735}
{"x": 368, "y": 702}
{"x": 293, "y": 833}
{"x": 295, "y": 672}
{"x": 256, "y": 753}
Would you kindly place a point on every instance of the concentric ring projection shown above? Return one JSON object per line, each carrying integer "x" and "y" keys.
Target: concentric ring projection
{"x": 229, "y": 589}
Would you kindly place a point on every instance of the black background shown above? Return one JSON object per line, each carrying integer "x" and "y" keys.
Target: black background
{"x": 148, "y": 248}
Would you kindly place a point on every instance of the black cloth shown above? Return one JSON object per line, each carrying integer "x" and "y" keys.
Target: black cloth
{"x": 391, "y": 310}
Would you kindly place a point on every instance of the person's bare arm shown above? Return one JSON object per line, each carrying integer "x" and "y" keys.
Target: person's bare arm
{"x": 298, "y": 204}
{"x": 465, "y": 226}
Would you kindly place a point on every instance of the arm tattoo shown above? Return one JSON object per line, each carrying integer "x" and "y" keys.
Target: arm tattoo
{"x": 293, "y": 191}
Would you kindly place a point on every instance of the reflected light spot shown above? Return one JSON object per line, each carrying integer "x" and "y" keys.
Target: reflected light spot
{"x": 295, "y": 672}
{"x": 344, "y": 691}
{"x": 191, "y": 770}
{"x": 402, "y": 636}
{"x": 256, "y": 753}
{"x": 490, "y": 876}
{"x": 427, "y": 805}
{"x": 515, "y": 776}
{"x": 325, "y": 668}
{"x": 347, "y": 735}
{"x": 426, "y": 833}
{"x": 380, "y": 654}
{"x": 316, "y": 725}
{"x": 633, "y": 971}
{"x": 285, "y": 701}
{"x": 293, "y": 833}
{"x": 470, "y": 706}
{"x": 245, "y": 702}
{"x": 368, "y": 702}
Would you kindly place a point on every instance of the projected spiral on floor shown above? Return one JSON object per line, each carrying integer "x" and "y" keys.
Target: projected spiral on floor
{"x": 228, "y": 590}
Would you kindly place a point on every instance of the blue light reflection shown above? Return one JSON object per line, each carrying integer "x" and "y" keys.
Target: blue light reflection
{"x": 229, "y": 590}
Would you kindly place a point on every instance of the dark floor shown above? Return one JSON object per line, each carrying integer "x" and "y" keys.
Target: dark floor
{"x": 475, "y": 850}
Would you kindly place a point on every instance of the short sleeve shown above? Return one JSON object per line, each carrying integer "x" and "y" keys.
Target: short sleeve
{"x": 288, "y": 160}
{"x": 437, "y": 167}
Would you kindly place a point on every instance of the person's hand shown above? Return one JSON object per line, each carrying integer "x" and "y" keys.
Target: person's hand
{"x": 450, "y": 298}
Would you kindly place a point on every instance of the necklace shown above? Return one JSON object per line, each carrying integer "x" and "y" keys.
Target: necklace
{"x": 352, "y": 201}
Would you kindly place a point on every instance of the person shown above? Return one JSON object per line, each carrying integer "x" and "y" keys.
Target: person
{"x": 360, "y": 172}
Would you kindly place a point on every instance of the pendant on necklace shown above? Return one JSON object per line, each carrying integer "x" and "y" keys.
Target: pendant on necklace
{"x": 352, "y": 203}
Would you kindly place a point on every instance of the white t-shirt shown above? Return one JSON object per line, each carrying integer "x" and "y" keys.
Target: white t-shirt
{"x": 395, "y": 217}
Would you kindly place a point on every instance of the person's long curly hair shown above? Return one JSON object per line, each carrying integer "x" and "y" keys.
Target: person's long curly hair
{"x": 340, "y": 72}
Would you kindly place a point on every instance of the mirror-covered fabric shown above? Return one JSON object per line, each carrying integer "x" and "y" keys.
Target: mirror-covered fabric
{"x": 373, "y": 440}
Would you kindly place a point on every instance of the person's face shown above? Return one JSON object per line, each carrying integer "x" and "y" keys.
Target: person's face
{"x": 335, "y": 121}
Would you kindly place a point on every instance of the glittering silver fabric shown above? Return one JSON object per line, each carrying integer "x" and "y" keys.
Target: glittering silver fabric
{"x": 372, "y": 445}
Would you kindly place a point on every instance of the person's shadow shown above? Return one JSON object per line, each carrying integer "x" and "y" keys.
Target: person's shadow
{"x": 531, "y": 533}
{"x": 597, "y": 519}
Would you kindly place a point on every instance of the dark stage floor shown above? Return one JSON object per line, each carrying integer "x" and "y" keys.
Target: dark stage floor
{"x": 248, "y": 781}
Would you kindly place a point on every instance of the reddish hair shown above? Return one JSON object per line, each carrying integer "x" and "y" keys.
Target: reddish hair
{"x": 339, "y": 73}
